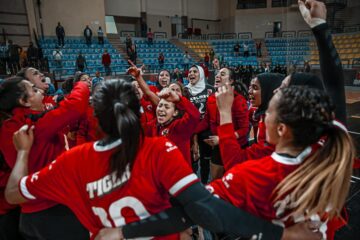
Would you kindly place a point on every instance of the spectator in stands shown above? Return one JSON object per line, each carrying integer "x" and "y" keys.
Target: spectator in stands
{"x": 216, "y": 64}
{"x": 14, "y": 57}
{"x": 307, "y": 67}
{"x": 207, "y": 59}
{"x": 60, "y": 33}
{"x": 150, "y": 36}
{"x": 246, "y": 50}
{"x": 96, "y": 80}
{"x": 57, "y": 54}
{"x": 161, "y": 60}
{"x": 51, "y": 90}
{"x": 212, "y": 55}
{"x": 177, "y": 76}
{"x": 258, "y": 49}
{"x": 106, "y": 61}
{"x": 237, "y": 50}
{"x": 87, "y": 35}
{"x": 267, "y": 67}
{"x": 260, "y": 68}
{"x": 32, "y": 55}
{"x": 100, "y": 36}
{"x": 23, "y": 58}
{"x": 80, "y": 62}
{"x": 128, "y": 43}
{"x": 3, "y": 57}
{"x": 132, "y": 53}
{"x": 186, "y": 60}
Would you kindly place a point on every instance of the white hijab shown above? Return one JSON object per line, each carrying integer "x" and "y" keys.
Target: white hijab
{"x": 199, "y": 85}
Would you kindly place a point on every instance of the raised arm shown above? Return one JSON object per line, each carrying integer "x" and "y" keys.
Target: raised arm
{"x": 314, "y": 14}
{"x": 136, "y": 73}
{"x": 23, "y": 142}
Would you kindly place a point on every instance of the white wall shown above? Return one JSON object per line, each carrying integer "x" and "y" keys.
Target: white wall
{"x": 74, "y": 15}
{"x": 124, "y": 8}
{"x": 259, "y": 21}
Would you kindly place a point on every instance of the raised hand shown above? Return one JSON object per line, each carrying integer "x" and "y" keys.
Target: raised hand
{"x": 134, "y": 70}
{"x": 312, "y": 11}
{"x": 23, "y": 139}
{"x": 169, "y": 95}
{"x": 225, "y": 98}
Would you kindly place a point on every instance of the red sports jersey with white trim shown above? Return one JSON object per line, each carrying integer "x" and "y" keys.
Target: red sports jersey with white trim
{"x": 232, "y": 153}
{"x": 250, "y": 186}
{"x": 80, "y": 179}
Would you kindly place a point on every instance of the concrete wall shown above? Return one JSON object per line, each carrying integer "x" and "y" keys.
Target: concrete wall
{"x": 73, "y": 15}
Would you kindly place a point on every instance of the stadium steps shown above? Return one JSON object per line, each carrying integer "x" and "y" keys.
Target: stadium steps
{"x": 184, "y": 48}
{"x": 115, "y": 40}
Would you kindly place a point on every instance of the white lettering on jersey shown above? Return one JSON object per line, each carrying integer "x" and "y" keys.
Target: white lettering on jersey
{"x": 106, "y": 184}
{"x": 114, "y": 212}
{"x": 228, "y": 177}
{"x": 34, "y": 177}
{"x": 170, "y": 146}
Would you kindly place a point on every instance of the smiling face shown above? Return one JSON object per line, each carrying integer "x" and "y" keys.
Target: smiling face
{"x": 255, "y": 92}
{"x": 165, "y": 111}
{"x": 34, "y": 97}
{"x": 222, "y": 77}
{"x": 37, "y": 78}
{"x": 194, "y": 75}
{"x": 164, "y": 78}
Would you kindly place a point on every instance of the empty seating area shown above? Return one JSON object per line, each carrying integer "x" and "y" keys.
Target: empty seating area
{"x": 348, "y": 47}
{"x": 92, "y": 54}
{"x": 226, "y": 49}
{"x": 199, "y": 47}
{"x": 288, "y": 50}
{"x": 149, "y": 54}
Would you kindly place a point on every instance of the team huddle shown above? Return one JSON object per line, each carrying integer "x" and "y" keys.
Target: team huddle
{"x": 132, "y": 171}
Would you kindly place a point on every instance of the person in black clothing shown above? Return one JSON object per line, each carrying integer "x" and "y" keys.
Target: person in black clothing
{"x": 87, "y": 35}
{"x": 60, "y": 33}
{"x": 80, "y": 62}
{"x": 14, "y": 57}
{"x": 32, "y": 55}
{"x": 237, "y": 50}
{"x": 132, "y": 53}
{"x": 128, "y": 43}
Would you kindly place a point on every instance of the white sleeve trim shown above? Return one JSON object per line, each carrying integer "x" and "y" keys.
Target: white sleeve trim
{"x": 182, "y": 182}
{"x": 316, "y": 22}
{"x": 24, "y": 189}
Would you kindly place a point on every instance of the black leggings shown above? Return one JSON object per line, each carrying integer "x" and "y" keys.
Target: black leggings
{"x": 9, "y": 225}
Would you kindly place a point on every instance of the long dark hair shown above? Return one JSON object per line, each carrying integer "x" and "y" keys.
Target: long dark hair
{"x": 118, "y": 111}
{"x": 323, "y": 179}
{"x": 11, "y": 91}
{"x": 238, "y": 86}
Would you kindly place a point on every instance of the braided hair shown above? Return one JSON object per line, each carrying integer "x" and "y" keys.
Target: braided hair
{"x": 118, "y": 110}
{"x": 323, "y": 179}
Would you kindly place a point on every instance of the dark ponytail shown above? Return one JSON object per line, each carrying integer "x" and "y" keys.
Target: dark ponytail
{"x": 118, "y": 110}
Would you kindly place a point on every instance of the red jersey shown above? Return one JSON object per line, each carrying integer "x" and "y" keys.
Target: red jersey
{"x": 49, "y": 102}
{"x": 232, "y": 153}
{"x": 89, "y": 129}
{"x": 179, "y": 130}
{"x": 106, "y": 59}
{"x": 250, "y": 186}
{"x": 239, "y": 113}
{"x": 80, "y": 179}
{"x": 147, "y": 112}
{"x": 49, "y": 141}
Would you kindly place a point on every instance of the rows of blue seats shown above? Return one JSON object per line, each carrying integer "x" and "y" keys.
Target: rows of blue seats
{"x": 156, "y": 55}
{"x": 77, "y": 51}
{"x": 285, "y": 40}
{"x": 72, "y": 63}
{"x": 282, "y": 53}
{"x": 231, "y": 42}
{"x": 80, "y": 46}
{"x": 69, "y": 40}
{"x": 289, "y": 58}
{"x": 87, "y": 57}
{"x": 158, "y": 50}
